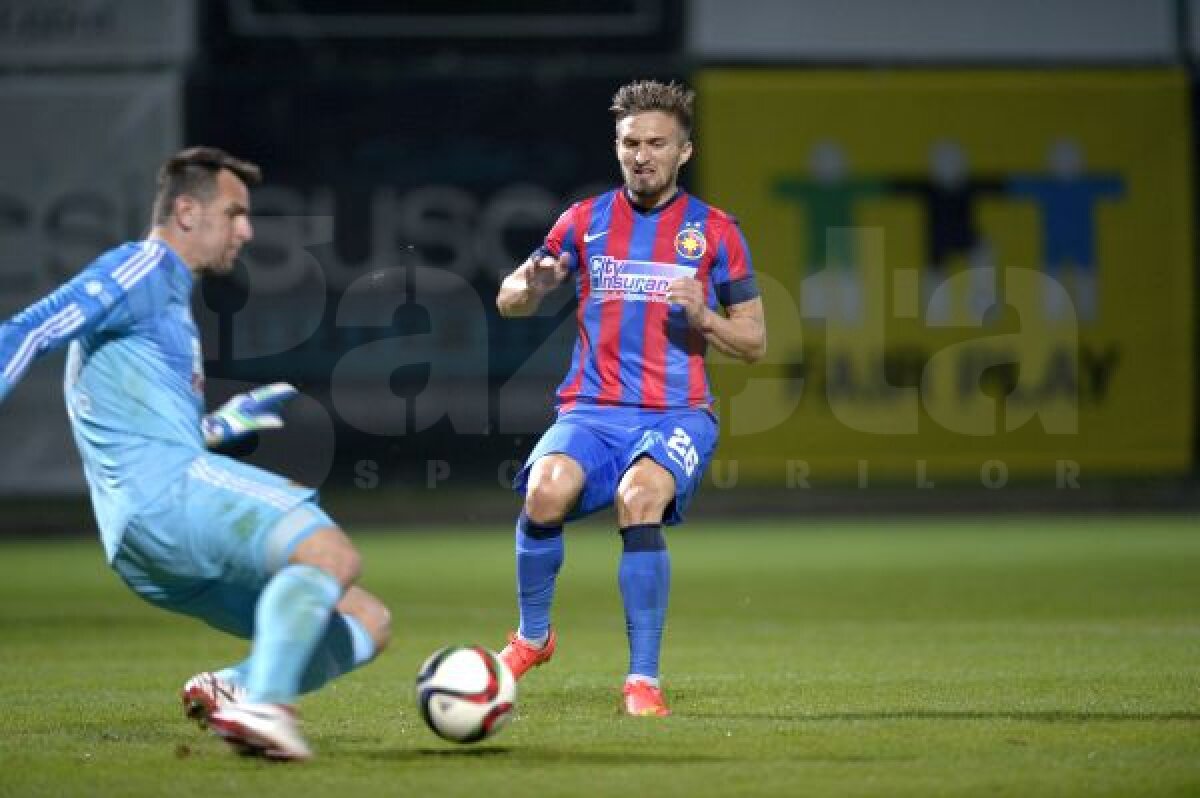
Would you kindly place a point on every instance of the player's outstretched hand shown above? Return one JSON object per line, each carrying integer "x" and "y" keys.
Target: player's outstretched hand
{"x": 246, "y": 413}
{"x": 688, "y": 293}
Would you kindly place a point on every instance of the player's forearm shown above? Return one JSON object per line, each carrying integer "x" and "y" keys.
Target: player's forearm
{"x": 518, "y": 295}
{"x": 744, "y": 338}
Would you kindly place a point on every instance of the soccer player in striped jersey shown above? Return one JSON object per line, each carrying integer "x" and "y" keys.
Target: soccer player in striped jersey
{"x": 191, "y": 531}
{"x": 651, "y": 266}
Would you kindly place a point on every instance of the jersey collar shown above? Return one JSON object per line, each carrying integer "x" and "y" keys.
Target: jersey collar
{"x": 638, "y": 209}
{"x": 180, "y": 269}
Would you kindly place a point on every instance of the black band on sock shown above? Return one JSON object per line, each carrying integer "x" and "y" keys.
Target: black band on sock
{"x": 644, "y": 537}
{"x": 538, "y": 531}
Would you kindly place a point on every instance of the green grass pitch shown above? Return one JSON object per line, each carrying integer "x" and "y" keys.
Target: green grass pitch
{"x": 953, "y": 657}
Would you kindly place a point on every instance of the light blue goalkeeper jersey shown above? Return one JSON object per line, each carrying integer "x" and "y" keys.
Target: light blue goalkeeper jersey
{"x": 134, "y": 379}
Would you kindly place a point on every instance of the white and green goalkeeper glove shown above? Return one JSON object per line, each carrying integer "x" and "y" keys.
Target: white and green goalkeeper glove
{"x": 246, "y": 413}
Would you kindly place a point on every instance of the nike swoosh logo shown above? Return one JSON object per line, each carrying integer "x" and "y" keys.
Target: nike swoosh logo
{"x": 590, "y": 237}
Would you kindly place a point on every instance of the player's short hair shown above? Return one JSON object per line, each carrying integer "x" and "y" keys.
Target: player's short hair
{"x": 194, "y": 172}
{"x": 651, "y": 95}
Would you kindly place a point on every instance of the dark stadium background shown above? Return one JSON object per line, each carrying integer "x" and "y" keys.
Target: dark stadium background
{"x": 860, "y": 605}
{"x": 447, "y": 136}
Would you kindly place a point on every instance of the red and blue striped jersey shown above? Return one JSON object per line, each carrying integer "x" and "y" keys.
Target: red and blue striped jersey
{"x": 633, "y": 349}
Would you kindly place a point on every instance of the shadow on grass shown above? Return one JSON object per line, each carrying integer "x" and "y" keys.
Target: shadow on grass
{"x": 541, "y": 756}
{"x": 1035, "y": 716}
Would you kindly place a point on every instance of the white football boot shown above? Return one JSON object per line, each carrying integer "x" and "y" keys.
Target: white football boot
{"x": 205, "y": 693}
{"x": 267, "y": 730}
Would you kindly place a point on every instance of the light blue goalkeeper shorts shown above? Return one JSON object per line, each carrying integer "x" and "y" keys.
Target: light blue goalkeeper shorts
{"x": 208, "y": 546}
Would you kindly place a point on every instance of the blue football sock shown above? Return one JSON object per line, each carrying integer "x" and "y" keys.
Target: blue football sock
{"x": 291, "y": 619}
{"x": 645, "y": 579}
{"x": 539, "y": 558}
{"x": 345, "y": 646}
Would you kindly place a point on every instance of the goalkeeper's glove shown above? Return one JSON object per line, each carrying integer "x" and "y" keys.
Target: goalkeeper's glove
{"x": 246, "y": 413}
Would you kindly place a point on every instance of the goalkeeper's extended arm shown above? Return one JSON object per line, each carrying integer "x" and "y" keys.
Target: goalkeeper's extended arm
{"x": 246, "y": 413}
{"x": 91, "y": 301}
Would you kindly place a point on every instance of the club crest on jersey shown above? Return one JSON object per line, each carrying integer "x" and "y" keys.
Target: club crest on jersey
{"x": 633, "y": 280}
{"x": 690, "y": 243}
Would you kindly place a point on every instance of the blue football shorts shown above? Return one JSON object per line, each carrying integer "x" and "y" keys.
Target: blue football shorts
{"x": 606, "y": 441}
{"x": 210, "y": 543}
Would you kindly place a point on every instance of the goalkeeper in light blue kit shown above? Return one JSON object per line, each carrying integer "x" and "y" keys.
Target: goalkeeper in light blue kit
{"x": 191, "y": 531}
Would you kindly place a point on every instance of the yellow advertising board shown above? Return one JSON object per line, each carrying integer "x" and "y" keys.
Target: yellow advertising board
{"x": 967, "y": 275}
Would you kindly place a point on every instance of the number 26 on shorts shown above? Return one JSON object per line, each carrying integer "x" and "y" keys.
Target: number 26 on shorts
{"x": 681, "y": 450}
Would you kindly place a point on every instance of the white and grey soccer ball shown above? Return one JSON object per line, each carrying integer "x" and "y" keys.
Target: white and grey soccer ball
{"x": 465, "y": 693}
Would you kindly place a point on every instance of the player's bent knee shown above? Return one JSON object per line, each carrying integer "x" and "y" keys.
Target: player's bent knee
{"x": 555, "y": 482}
{"x": 330, "y": 550}
{"x": 640, "y": 503}
{"x": 548, "y": 501}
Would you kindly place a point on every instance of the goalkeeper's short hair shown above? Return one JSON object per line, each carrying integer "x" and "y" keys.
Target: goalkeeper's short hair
{"x": 193, "y": 172}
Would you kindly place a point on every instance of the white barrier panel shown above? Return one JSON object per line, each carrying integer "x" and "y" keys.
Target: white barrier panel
{"x": 77, "y": 33}
{"x": 928, "y": 31}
